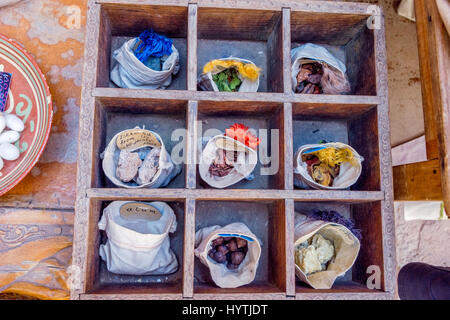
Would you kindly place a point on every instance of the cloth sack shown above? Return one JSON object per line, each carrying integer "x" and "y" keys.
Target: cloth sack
{"x": 221, "y": 275}
{"x": 334, "y": 79}
{"x": 444, "y": 10}
{"x": 245, "y": 164}
{"x": 129, "y": 72}
{"x": 135, "y": 245}
{"x": 207, "y": 83}
{"x": 348, "y": 174}
{"x": 346, "y": 247}
{"x": 167, "y": 170}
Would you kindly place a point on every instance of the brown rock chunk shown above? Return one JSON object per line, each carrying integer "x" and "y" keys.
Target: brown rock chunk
{"x": 241, "y": 242}
{"x": 220, "y": 257}
{"x": 315, "y": 78}
{"x": 127, "y": 168}
{"x": 237, "y": 257}
{"x": 244, "y": 249}
{"x": 211, "y": 253}
{"x": 309, "y": 66}
{"x": 223, "y": 163}
{"x": 217, "y": 241}
{"x": 232, "y": 245}
{"x": 303, "y": 75}
{"x": 309, "y": 79}
{"x": 222, "y": 249}
{"x": 230, "y": 250}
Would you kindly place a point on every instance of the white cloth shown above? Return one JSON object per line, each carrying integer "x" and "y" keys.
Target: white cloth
{"x": 348, "y": 173}
{"x": 138, "y": 247}
{"x": 167, "y": 170}
{"x": 313, "y": 52}
{"x": 244, "y": 166}
{"x": 220, "y": 274}
{"x": 346, "y": 247}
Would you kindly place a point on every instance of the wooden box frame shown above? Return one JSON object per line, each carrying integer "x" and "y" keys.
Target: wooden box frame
{"x": 276, "y": 25}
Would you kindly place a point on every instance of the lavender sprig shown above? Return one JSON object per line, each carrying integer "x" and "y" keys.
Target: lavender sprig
{"x": 335, "y": 217}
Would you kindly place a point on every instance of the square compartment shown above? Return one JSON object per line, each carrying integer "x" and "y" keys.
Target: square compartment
{"x": 354, "y": 125}
{"x": 347, "y": 37}
{"x": 101, "y": 281}
{"x": 114, "y": 115}
{"x": 367, "y": 218}
{"x": 121, "y": 22}
{"x": 215, "y": 117}
{"x": 265, "y": 219}
{"x": 255, "y": 35}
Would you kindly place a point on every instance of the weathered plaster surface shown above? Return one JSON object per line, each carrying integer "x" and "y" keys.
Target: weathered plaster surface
{"x": 48, "y": 30}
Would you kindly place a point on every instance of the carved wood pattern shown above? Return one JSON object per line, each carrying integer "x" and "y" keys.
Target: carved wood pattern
{"x": 389, "y": 252}
{"x": 28, "y": 271}
{"x": 85, "y": 144}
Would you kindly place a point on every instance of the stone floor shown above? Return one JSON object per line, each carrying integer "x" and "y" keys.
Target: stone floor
{"x": 38, "y": 212}
{"x": 419, "y": 240}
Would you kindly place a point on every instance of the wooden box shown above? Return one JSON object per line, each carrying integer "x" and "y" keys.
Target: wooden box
{"x": 263, "y": 31}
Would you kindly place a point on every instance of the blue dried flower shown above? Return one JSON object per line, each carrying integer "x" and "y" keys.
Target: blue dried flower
{"x": 152, "y": 45}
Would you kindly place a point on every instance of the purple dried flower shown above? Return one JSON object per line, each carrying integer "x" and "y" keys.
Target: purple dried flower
{"x": 334, "y": 217}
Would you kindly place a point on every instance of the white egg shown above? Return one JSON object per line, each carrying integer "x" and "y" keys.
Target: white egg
{"x": 2, "y": 123}
{"x": 9, "y": 136}
{"x": 9, "y": 151}
{"x": 14, "y": 123}
{"x": 1, "y": 163}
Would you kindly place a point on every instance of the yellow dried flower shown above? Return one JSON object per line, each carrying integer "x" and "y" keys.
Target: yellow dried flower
{"x": 247, "y": 70}
{"x": 334, "y": 156}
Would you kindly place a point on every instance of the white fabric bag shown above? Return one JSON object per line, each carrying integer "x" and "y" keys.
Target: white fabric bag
{"x": 221, "y": 275}
{"x": 307, "y": 52}
{"x": 346, "y": 246}
{"x": 247, "y": 85}
{"x": 348, "y": 173}
{"x": 245, "y": 164}
{"x": 167, "y": 170}
{"x": 137, "y": 246}
{"x": 129, "y": 72}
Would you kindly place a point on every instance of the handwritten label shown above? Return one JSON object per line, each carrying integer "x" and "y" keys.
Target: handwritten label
{"x": 136, "y": 138}
{"x": 138, "y": 210}
{"x": 229, "y": 145}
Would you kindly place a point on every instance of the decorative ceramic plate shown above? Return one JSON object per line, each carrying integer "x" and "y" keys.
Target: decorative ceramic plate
{"x": 29, "y": 99}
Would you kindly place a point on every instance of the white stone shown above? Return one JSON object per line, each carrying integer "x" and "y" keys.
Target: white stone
{"x": 9, "y": 152}
{"x": 9, "y": 137}
{"x": 2, "y": 123}
{"x": 14, "y": 123}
